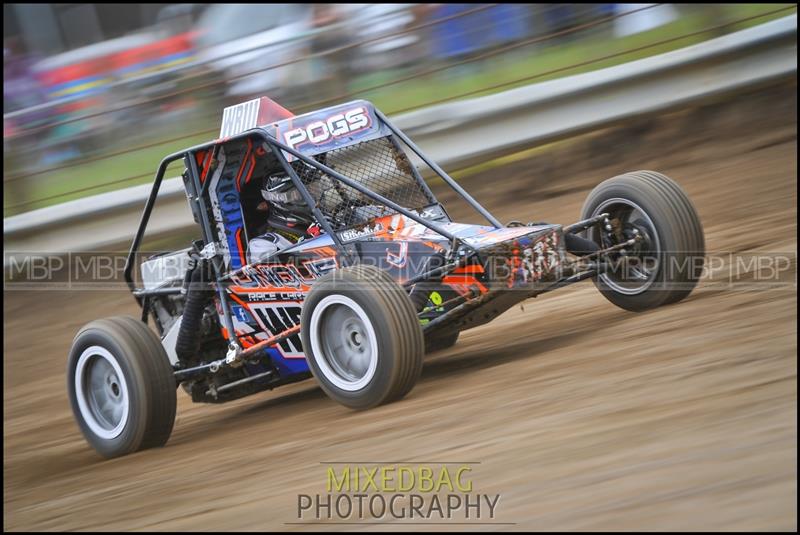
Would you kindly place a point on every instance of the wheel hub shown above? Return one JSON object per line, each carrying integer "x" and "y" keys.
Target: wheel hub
{"x": 633, "y": 269}
{"x": 345, "y": 342}
{"x": 101, "y": 391}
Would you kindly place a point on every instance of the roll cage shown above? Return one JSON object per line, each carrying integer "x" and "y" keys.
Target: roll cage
{"x": 197, "y": 191}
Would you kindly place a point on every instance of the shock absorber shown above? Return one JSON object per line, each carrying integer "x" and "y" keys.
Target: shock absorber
{"x": 198, "y": 293}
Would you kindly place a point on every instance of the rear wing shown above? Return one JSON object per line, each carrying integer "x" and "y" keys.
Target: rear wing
{"x": 312, "y": 133}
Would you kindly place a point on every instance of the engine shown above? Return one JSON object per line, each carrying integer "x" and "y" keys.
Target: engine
{"x": 187, "y": 320}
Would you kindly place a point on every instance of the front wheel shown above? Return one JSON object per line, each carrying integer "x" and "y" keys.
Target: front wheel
{"x": 664, "y": 265}
{"x": 361, "y": 337}
{"x": 121, "y": 386}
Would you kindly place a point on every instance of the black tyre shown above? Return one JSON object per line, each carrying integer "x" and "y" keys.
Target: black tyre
{"x": 361, "y": 337}
{"x": 121, "y": 386}
{"x": 440, "y": 342}
{"x": 665, "y": 265}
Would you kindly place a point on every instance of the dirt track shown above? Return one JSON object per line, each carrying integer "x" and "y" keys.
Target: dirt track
{"x": 581, "y": 415}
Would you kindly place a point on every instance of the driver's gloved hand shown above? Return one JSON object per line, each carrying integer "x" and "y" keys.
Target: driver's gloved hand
{"x": 266, "y": 245}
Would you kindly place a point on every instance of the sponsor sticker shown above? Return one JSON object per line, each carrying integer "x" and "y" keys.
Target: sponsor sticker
{"x": 355, "y": 234}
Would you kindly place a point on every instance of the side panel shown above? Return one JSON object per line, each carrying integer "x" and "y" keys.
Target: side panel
{"x": 227, "y": 210}
{"x": 267, "y": 299}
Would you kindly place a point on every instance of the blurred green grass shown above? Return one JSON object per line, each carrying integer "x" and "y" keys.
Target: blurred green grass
{"x": 59, "y": 186}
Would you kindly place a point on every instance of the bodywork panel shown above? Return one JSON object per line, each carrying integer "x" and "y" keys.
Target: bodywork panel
{"x": 268, "y": 296}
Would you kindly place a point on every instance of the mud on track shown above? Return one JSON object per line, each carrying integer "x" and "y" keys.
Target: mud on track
{"x": 582, "y": 416}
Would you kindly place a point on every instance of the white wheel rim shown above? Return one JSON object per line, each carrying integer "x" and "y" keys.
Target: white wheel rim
{"x": 101, "y": 392}
{"x": 348, "y": 330}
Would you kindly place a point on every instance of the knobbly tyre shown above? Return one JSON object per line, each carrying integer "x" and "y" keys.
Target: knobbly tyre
{"x": 323, "y": 252}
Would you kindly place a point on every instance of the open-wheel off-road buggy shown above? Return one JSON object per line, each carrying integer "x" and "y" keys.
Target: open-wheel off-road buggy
{"x": 324, "y": 253}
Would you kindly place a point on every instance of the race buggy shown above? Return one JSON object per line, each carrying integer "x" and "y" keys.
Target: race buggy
{"x": 324, "y": 253}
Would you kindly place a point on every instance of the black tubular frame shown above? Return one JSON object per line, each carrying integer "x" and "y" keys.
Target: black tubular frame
{"x": 439, "y": 171}
{"x": 275, "y": 144}
{"x": 197, "y": 191}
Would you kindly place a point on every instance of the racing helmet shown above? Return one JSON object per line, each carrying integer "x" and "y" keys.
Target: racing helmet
{"x": 278, "y": 189}
{"x": 288, "y": 211}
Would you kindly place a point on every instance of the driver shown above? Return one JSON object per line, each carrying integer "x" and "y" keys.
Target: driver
{"x": 288, "y": 218}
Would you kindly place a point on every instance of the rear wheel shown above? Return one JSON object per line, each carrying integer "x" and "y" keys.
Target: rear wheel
{"x": 121, "y": 386}
{"x": 665, "y": 264}
{"x": 361, "y": 337}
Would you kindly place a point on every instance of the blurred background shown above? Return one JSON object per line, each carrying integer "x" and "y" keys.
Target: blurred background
{"x": 95, "y": 94}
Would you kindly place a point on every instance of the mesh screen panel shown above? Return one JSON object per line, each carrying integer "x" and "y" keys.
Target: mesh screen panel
{"x": 376, "y": 165}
